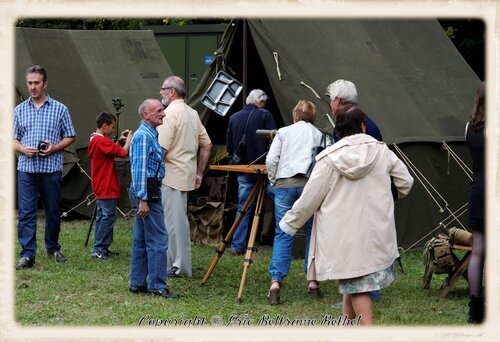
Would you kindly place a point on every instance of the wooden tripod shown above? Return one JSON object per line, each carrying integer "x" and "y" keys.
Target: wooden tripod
{"x": 259, "y": 191}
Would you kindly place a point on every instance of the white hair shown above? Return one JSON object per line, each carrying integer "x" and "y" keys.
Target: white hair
{"x": 143, "y": 107}
{"x": 345, "y": 90}
{"x": 256, "y": 96}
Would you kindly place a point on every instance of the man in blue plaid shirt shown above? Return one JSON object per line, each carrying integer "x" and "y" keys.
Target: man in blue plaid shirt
{"x": 42, "y": 130}
{"x": 148, "y": 266}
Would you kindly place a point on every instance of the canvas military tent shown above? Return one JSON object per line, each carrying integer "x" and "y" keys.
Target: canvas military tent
{"x": 86, "y": 71}
{"x": 410, "y": 78}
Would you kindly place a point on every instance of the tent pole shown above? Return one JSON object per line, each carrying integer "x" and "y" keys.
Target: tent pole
{"x": 245, "y": 61}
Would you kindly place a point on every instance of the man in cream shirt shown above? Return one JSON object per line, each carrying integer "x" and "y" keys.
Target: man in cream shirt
{"x": 187, "y": 146}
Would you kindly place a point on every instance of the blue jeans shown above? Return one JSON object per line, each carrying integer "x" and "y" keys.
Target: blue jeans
{"x": 104, "y": 223}
{"x": 283, "y": 243}
{"x": 28, "y": 187}
{"x": 149, "y": 247}
{"x": 245, "y": 185}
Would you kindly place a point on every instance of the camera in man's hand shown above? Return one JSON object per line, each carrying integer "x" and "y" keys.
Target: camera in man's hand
{"x": 123, "y": 137}
{"x": 43, "y": 146}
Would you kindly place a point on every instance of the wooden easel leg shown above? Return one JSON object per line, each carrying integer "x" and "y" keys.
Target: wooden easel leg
{"x": 251, "y": 241}
{"x": 455, "y": 276}
{"x": 227, "y": 239}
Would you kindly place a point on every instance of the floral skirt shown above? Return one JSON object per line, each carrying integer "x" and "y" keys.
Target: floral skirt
{"x": 370, "y": 282}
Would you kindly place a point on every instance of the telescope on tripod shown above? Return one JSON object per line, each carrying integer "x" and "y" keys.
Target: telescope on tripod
{"x": 266, "y": 133}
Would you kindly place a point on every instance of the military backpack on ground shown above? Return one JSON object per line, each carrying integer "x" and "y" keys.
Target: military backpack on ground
{"x": 437, "y": 257}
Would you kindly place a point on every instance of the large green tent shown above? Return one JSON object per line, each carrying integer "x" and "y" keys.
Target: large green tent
{"x": 86, "y": 71}
{"x": 410, "y": 78}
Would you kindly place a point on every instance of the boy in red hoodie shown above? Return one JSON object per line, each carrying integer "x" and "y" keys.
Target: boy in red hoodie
{"x": 102, "y": 152}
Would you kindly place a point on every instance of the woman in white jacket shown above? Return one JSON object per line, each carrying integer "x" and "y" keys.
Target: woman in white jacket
{"x": 288, "y": 165}
{"x": 354, "y": 235}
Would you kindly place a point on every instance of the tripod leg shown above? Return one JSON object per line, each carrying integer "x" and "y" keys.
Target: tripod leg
{"x": 251, "y": 241}
{"x": 91, "y": 224}
{"x": 225, "y": 241}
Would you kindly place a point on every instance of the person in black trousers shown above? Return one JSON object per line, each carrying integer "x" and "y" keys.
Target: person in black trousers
{"x": 475, "y": 138}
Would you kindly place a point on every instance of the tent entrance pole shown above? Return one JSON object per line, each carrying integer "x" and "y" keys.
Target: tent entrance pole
{"x": 245, "y": 61}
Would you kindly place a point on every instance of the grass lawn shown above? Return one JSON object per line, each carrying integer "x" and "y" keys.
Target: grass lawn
{"x": 84, "y": 291}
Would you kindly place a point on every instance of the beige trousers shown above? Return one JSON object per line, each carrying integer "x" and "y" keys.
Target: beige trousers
{"x": 179, "y": 239}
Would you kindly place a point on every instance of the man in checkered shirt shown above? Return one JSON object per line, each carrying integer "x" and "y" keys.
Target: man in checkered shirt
{"x": 42, "y": 130}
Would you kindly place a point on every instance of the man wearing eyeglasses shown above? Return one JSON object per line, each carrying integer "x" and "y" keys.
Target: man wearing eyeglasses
{"x": 188, "y": 147}
{"x": 343, "y": 94}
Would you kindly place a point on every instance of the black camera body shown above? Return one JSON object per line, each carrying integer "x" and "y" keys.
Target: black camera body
{"x": 153, "y": 187}
{"x": 42, "y": 146}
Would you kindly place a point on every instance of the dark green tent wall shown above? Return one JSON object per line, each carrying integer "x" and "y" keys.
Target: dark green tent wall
{"x": 410, "y": 78}
{"x": 86, "y": 70}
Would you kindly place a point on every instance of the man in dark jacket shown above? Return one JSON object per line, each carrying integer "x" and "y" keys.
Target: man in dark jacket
{"x": 245, "y": 122}
{"x": 343, "y": 94}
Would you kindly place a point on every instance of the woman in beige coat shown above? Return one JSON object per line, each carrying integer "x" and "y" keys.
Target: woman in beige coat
{"x": 354, "y": 235}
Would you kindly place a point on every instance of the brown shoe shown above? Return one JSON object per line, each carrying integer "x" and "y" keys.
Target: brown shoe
{"x": 273, "y": 297}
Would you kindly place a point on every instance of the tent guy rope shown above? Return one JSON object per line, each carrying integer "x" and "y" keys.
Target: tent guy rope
{"x": 434, "y": 194}
{"x": 460, "y": 162}
{"x": 88, "y": 200}
{"x": 443, "y": 224}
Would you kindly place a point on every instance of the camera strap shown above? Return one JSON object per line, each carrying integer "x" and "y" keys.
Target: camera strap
{"x": 244, "y": 136}
{"x": 158, "y": 169}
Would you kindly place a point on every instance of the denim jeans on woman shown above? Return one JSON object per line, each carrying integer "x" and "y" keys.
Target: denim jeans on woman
{"x": 245, "y": 185}
{"x": 283, "y": 243}
{"x": 149, "y": 247}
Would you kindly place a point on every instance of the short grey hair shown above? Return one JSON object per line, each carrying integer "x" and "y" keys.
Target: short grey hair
{"x": 176, "y": 83}
{"x": 257, "y": 96}
{"x": 345, "y": 90}
{"x": 143, "y": 107}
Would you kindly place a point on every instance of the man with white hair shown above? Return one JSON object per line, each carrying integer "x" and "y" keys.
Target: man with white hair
{"x": 148, "y": 266}
{"x": 251, "y": 118}
{"x": 343, "y": 94}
